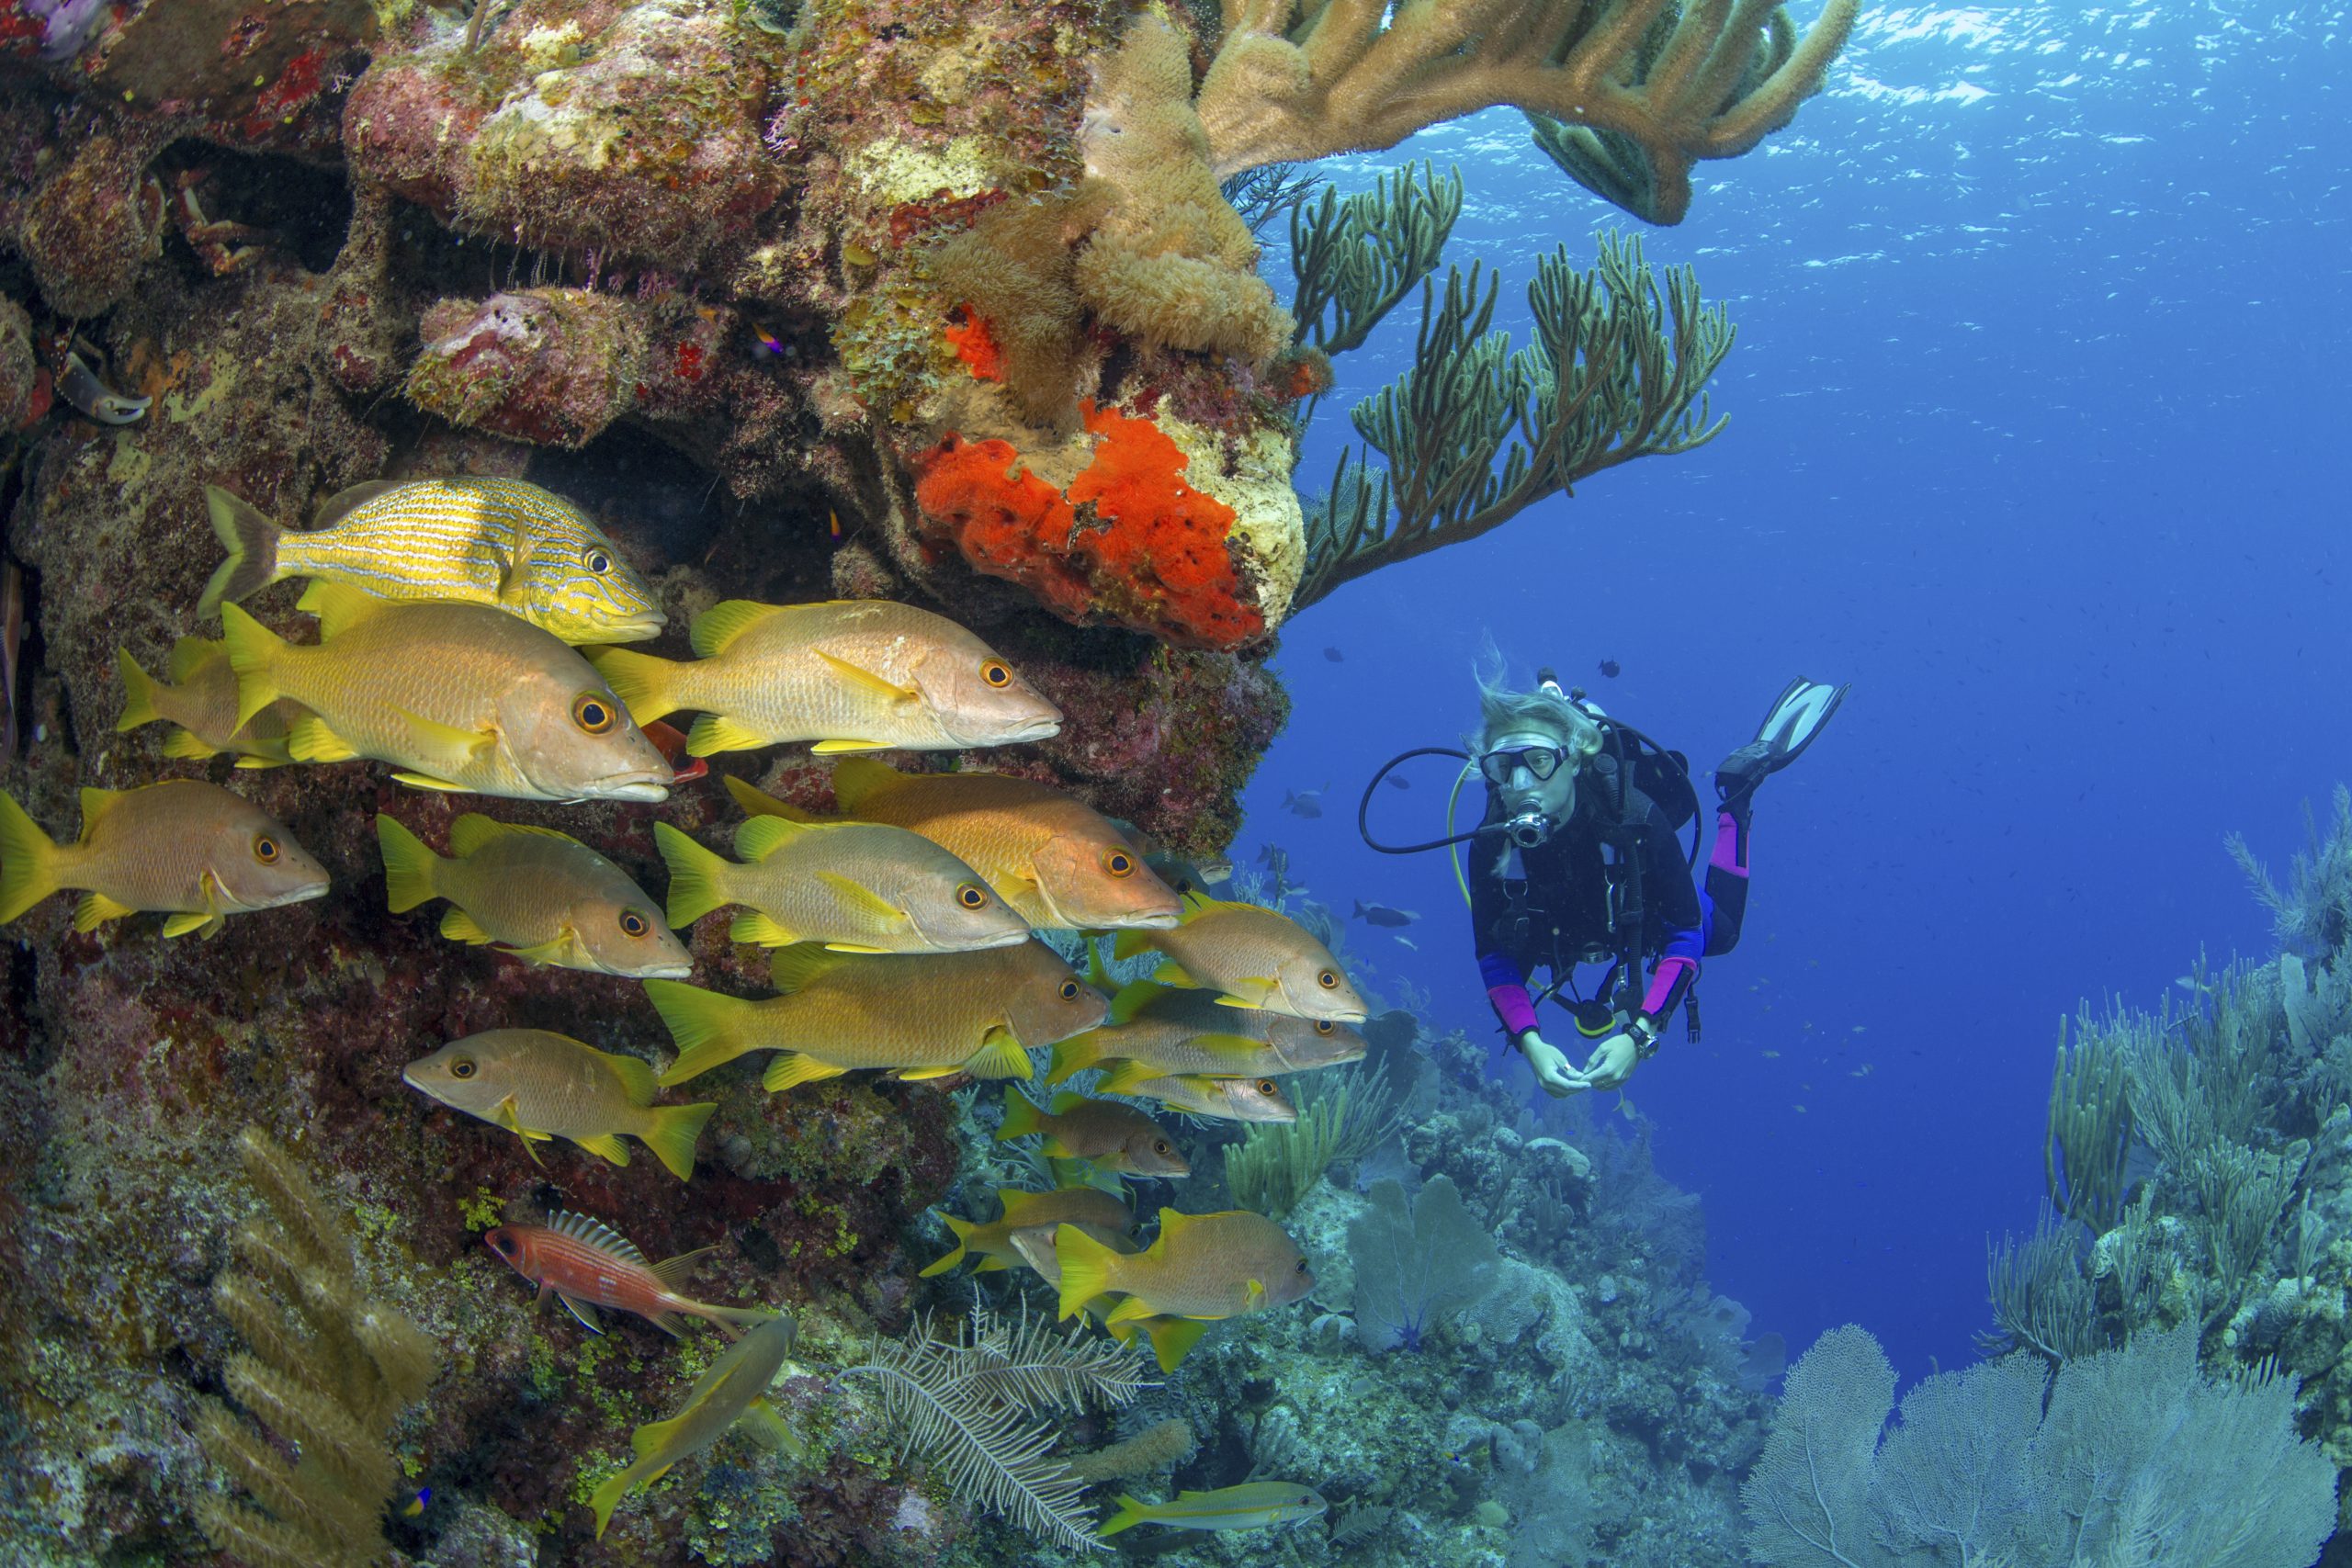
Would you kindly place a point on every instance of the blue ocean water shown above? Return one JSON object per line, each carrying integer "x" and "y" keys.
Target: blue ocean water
{"x": 2037, "y": 439}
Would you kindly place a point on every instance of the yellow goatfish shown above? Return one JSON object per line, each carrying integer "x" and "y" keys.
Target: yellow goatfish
{"x": 539, "y": 1085}
{"x": 545, "y": 896}
{"x": 1253, "y": 956}
{"x": 455, "y": 696}
{"x": 921, "y": 1015}
{"x": 182, "y": 846}
{"x": 1095, "y": 1211}
{"x": 1203, "y": 1266}
{"x": 202, "y": 700}
{"x": 733, "y": 1390}
{"x": 851, "y": 675}
{"x": 502, "y": 543}
{"x": 855, "y": 886}
{"x": 1173, "y": 1029}
{"x": 1057, "y": 860}
{"x": 1253, "y": 1505}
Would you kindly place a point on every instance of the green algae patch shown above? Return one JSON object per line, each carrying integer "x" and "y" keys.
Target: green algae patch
{"x": 221, "y": 371}
{"x": 893, "y": 173}
{"x": 131, "y": 463}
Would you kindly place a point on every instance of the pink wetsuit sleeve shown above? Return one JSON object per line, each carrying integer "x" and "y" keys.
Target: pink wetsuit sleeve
{"x": 1512, "y": 1008}
{"x": 1659, "y": 999}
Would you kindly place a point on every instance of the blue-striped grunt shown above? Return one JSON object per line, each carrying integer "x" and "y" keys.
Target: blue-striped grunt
{"x": 479, "y": 541}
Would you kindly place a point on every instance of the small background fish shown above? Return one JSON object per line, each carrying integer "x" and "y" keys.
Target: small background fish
{"x": 537, "y": 1085}
{"x": 544, "y": 896}
{"x": 182, "y": 846}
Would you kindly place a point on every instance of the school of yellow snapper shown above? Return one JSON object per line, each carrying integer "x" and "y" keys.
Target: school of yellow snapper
{"x": 452, "y": 615}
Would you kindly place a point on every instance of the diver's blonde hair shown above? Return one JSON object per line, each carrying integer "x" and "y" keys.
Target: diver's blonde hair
{"x": 1502, "y": 710}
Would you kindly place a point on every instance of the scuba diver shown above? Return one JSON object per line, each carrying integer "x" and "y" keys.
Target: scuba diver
{"x": 1576, "y": 861}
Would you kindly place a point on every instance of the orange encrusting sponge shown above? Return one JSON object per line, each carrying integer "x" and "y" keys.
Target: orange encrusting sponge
{"x": 1151, "y": 554}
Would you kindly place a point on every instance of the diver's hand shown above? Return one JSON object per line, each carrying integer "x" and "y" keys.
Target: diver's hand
{"x": 1552, "y": 1069}
{"x": 1612, "y": 1062}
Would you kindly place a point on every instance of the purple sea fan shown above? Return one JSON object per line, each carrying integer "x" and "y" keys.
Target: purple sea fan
{"x": 1416, "y": 1264}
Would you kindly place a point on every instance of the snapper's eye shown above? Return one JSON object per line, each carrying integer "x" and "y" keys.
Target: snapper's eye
{"x": 634, "y": 923}
{"x": 597, "y": 560}
{"x": 266, "y": 849}
{"x": 1118, "y": 862}
{"x": 463, "y": 1068}
{"x": 1069, "y": 991}
{"x": 971, "y": 897}
{"x": 1266, "y": 1085}
{"x": 996, "y": 674}
{"x": 593, "y": 712}
{"x": 1159, "y": 1146}
{"x": 1302, "y": 1268}
{"x": 1325, "y": 1026}
{"x": 1328, "y": 979}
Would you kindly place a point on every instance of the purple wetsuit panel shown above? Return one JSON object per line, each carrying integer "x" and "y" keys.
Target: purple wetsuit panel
{"x": 1506, "y": 990}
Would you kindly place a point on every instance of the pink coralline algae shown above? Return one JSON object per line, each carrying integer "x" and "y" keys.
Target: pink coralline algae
{"x": 553, "y": 366}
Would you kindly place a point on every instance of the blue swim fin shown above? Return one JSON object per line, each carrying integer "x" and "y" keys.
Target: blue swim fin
{"x": 1800, "y": 711}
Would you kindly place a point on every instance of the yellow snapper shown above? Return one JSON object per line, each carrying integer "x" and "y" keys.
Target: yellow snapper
{"x": 1173, "y": 1029}
{"x": 1203, "y": 1266}
{"x": 455, "y": 696}
{"x": 1112, "y": 1137}
{"x": 920, "y": 1015}
{"x": 202, "y": 699}
{"x": 1224, "y": 1099}
{"x": 1057, "y": 860}
{"x": 850, "y": 674}
{"x": 483, "y": 541}
{"x": 1253, "y": 1505}
{"x": 1098, "y": 1214}
{"x": 1253, "y": 957}
{"x": 855, "y": 886}
{"x": 545, "y": 896}
{"x": 733, "y": 1390}
{"x": 539, "y": 1085}
{"x": 182, "y": 846}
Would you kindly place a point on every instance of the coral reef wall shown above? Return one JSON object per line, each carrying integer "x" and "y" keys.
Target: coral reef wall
{"x": 844, "y": 298}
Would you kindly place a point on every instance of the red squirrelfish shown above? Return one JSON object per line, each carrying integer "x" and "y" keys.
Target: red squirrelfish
{"x": 585, "y": 1264}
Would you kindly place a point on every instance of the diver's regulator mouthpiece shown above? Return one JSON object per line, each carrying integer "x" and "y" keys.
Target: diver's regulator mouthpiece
{"x": 1529, "y": 829}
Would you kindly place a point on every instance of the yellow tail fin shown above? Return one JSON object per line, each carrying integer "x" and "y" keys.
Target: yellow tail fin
{"x": 697, "y": 876}
{"x": 1086, "y": 1265}
{"x": 251, "y": 540}
{"x": 708, "y": 1026}
{"x": 963, "y": 1230}
{"x": 27, "y": 861}
{"x": 1021, "y": 1116}
{"x": 254, "y": 651}
{"x": 1131, "y": 1513}
{"x": 138, "y": 693}
{"x": 607, "y": 1497}
{"x": 409, "y": 866}
{"x": 642, "y": 683}
{"x": 759, "y": 803}
{"x": 1075, "y": 1055}
{"x": 674, "y": 1133}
